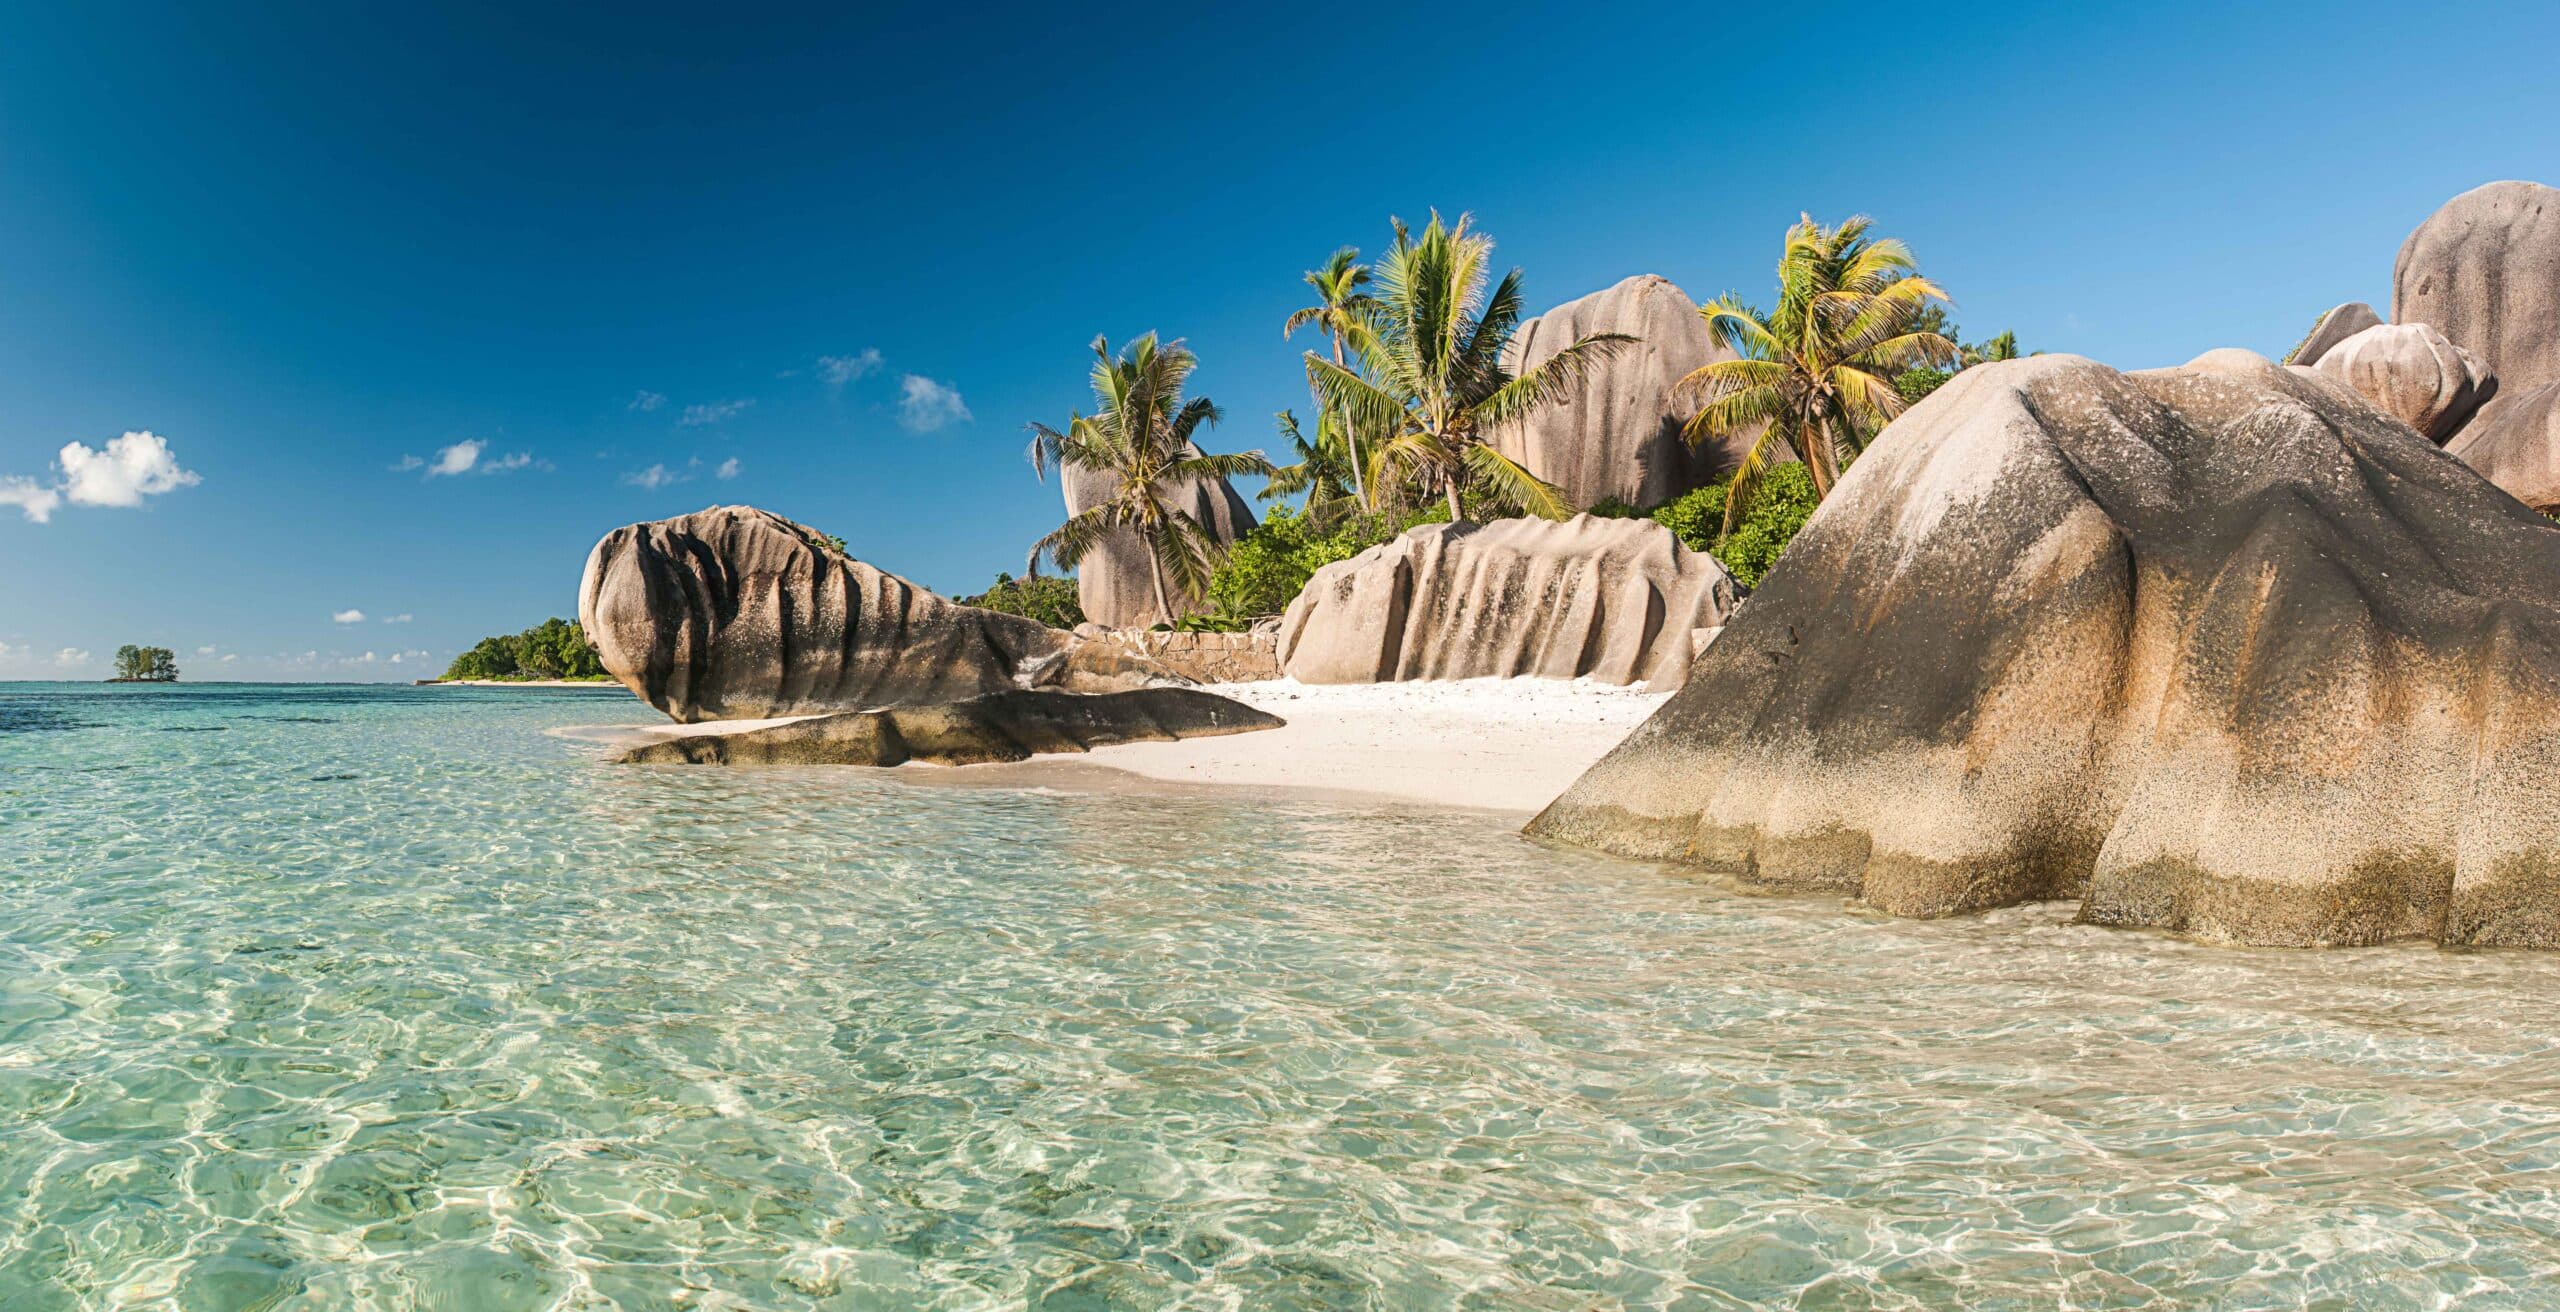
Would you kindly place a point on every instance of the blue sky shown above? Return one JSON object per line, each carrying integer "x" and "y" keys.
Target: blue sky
{"x": 323, "y": 251}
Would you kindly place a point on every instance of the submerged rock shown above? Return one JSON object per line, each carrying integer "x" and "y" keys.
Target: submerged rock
{"x": 1615, "y": 600}
{"x": 1002, "y": 726}
{"x": 1113, "y": 584}
{"x": 2215, "y": 649}
{"x": 2410, "y": 372}
{"x": 1618, "y": 434}
{"x": 2485, "y": 270}
{"x": 734, "y": 612}
{"x": 2518, "y": 448}
{"x": 2334, "y": 327}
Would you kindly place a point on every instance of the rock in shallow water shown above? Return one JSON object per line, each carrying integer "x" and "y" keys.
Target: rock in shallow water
{"x": 2215, "y": 649}
{"x": 738, "y": 613}
{"x": 1004, "y": 726}
{"x": 1615, "y": 600}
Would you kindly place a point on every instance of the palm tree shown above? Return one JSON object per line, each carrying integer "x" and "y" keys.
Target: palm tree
{"x": 1817, "y": 375}
{"x": 1327, "y": 470}
{"x": 1339, "y": 301}
{"x": 1142, "y": 435}
{"x": 1431, "y": 375}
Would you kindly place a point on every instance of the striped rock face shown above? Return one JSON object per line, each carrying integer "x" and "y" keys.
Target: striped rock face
{"x": 1615, "y": 600}
{"x": 738, "y": 613}
{"x": 2217, "y": 649}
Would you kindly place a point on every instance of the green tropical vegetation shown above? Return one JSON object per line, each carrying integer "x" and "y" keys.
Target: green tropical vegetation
{"x": 1047, "y": 598}
{"x": 1430, "y": 379}
{"x": 1326, "y": 475}
{"x": 1268, "y": 567}
{"x": 554, "y": 649}
{"x": 146, "y": 664}
{"x": 1779, "y": 506}
{"x": 1142, "y": 433}
{"x": 1815, "y": 377}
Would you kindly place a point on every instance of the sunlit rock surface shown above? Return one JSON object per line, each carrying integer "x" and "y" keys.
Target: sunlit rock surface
{"x": 2485, "y": 270}
{"x": 738, "y": 613}
{"x": 2412, "y": 373}
{"x": 1619, "y": 433}
{"x": 1617, "y": 600}
{"x": 2216, "y": 649}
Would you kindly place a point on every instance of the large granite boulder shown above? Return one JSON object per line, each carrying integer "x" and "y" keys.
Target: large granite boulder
{"x": 734, "y": 612}
{"x": 1617, "y": 600}
{"x": 1000, "y": 726}
{"x": 2336, "y": 326}
{"x": 1619, "y": 433}
{"x": 2518, "y": 448}
{"x": 2217, "y": 649}
{"x": 2485, "y": 270}
{"x": 1112, "y": 582}
{"x": 2410, "y": 372}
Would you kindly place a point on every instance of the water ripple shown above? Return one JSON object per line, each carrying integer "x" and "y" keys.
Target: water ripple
{"x": 500, "y": 1027}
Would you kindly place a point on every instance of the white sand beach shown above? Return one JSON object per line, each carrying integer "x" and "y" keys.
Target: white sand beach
{"x": 1505, "y": 745}
{"x": 1489, "y": 744}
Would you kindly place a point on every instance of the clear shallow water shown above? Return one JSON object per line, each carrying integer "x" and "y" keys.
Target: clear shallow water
{"x": 333, "y": 998}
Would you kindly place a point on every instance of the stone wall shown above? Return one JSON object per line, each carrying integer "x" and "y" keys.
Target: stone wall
{"x": 1208, "y": 657}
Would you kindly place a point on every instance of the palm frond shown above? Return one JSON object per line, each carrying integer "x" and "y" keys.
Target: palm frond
{"x": 1513, "y": 485}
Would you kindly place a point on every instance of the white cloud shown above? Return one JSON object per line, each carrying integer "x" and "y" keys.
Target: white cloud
{"x": 457, "y": 458}
{"x": 838, "y": 370}
{"x": 347, "y": 616}
{"x": 925, "y": 405}
{"x": 408, "y": 463}
{"x": 401, "y": 618}
{"x": 695, "y": 416}
{"x": 645, "y": 402}
{"x": 24, "y": 493}
{"x": 132, "y": 467}
{"x": 508, "y": 463}
{"x": 367, "y": 658}
{"x": 655, "y": 477}
{"x": 205, "y": 650}
{"x": 71, "y": 656}
{"x": 230, "y": 656}
{"x": 728, "y": 469}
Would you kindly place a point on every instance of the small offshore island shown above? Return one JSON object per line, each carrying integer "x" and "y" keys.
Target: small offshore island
{"x": 145, "y": 665}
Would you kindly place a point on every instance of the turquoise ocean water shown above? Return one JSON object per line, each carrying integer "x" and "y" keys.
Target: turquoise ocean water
{"x": 324, "y": 997}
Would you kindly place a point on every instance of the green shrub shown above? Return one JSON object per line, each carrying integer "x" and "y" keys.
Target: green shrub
{"x": 1048, "y": 599}
{"x": 1778, "y": 507}
{"x": 1267, "y": 568}
{"x": 1614, "y": 508}
{"x": 1919, "y": 381}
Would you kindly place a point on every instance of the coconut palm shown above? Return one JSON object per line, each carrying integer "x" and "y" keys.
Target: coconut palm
{"x": 1816, "y": 376}
{"x": 1431, "y": 378}
{"x": 1339, "y": 300}
{"x": 1143, "y": 436}
{"x": 1326, "y": 470}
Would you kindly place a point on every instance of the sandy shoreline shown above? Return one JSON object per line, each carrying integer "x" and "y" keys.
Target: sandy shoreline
{"x": 1503, "y": 745}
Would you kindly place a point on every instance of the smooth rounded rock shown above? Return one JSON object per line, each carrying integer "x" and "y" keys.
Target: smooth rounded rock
{"x": 2216, "y": 649}
{"x": 2412, "y": 373}
{"x": 2485, "y": 270}
{"x": 1618, "y": 434}
{"x": 2336, "y": 326}
{"x": 2518, "y": 448}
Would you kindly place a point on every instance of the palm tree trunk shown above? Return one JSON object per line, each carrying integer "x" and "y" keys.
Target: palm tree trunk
{"x": 1350, "y": 438}
{"x": 1155, "y": 575}
{"x": 1450, "y": 485}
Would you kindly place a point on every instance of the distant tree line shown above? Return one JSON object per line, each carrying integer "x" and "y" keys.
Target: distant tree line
{"x": 146, "y": 664}
{"x": 554, "y": 649}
